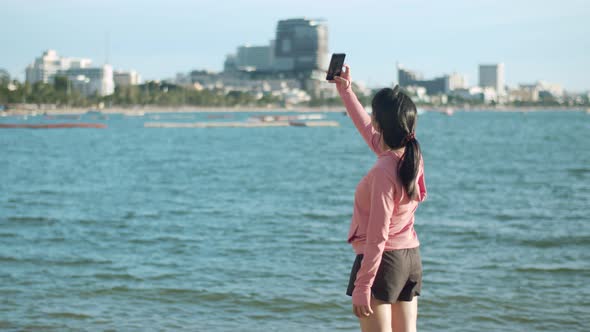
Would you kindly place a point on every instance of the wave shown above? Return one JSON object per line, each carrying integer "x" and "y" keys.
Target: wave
{"x": 579, "y": 171}
{"x": 69, "y": 315}
{"x": 555, "y": 242}
{"x": 324, "y": 216}
{"x": 116, "y": 276}
{"x": 557, "y": 269}
{"x": 29, "y": 219}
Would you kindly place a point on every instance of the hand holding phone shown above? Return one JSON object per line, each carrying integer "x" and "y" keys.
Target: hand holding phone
{"x": 335, "y": 68}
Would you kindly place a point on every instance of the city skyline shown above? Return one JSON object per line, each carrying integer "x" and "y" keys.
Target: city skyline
{"x": 524, "y": 42}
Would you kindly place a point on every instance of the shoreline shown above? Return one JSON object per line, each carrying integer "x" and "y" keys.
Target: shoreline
{"x": 247, "y": 109}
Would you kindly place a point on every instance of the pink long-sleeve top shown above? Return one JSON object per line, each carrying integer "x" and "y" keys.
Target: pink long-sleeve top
{"x": 383, "y": 215}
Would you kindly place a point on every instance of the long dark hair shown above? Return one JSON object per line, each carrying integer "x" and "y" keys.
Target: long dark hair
{"x": 396, "y": 115}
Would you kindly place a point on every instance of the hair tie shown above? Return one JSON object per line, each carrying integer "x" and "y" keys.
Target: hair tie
{"x": 409, "y": 137}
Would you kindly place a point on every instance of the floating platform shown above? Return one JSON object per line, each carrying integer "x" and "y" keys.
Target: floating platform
{"x": 273, "y": 118}
{"x": 51, "y": 125}
{"x": 314, "y": 123}
{"x": 250, "y": 124}
{"x": 134, "y": 113}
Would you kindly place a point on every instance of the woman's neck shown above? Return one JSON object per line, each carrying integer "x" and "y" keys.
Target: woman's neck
{"x": 385, "y": 147}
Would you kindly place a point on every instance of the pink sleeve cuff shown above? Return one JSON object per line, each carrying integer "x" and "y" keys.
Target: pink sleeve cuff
{"x": 361, "y": 296}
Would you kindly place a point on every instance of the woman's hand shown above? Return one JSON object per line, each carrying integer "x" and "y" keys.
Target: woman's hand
{"x": 344, "y": 80}
{"x": 362, "y": 311}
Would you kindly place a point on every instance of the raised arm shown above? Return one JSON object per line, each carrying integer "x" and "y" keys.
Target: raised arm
{"x": 360, "y": 118}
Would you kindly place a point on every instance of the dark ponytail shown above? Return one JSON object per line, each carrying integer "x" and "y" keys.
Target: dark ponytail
{"x": 408, "y": 168}
{"x": 396, "y": 116}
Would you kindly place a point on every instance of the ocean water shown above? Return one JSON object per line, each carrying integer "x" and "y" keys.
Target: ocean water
{"x": 244, "y": 229}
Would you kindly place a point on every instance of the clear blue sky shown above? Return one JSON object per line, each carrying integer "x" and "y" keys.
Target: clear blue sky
{"x": 536, "y": 40}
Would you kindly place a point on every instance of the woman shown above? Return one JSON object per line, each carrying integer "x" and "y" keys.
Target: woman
{"x": 386, "y": 276}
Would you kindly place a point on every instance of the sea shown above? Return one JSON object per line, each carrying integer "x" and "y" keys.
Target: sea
{"x": 128, "y": 228}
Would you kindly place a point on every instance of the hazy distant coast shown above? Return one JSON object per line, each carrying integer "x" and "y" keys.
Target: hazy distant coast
{"x": 302, "y": 109}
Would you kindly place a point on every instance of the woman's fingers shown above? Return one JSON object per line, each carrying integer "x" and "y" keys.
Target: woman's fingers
{"x": 355, "y": 310}
{"x": 362, "y": 311}
{"x": 346, "y": 72}
{"x": 365, "y": 311}
{"x": 342, "y": 81}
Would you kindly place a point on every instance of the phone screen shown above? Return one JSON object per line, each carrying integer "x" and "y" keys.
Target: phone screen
{"x": 336, "y": 64}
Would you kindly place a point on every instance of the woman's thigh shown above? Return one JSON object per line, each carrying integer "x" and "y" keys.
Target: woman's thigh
{"x": 404, "y": 315}
{"x": 380, "y": 320}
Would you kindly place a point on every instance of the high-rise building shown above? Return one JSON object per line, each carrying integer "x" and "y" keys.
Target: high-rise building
{"x": 299, "y": 51}
{"x": 46, "y": 66}
{"x": 492, "y": 76}
{"x": 301, "y": 46}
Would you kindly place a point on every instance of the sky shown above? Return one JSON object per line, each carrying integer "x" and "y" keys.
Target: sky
{"x": 536, "y": 40}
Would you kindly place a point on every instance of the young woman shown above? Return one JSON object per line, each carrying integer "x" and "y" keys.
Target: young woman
{"x": 386, "y": 276}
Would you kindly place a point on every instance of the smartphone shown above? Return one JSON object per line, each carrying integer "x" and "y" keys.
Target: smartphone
{"x": 336, "y": 64}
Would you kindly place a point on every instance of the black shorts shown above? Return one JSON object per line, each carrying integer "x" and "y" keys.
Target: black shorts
{"x": 399, "y": 277}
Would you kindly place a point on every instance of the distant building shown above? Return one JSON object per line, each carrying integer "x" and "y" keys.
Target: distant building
{"x": 407, "y": 78}
{"x": 300, "y": 48}
{"x": 205, "y": 79}
{"x": 457, "y": 81}
{"x": 553, "y": 89}
{"x": 524, "y": 93}
{"x": 418, "y": 93}
{"x": 536, "y": 92}
{"x": 44, "y": 68}
{"x": 298, "y": 52}
{"x": 492, "y": 76}
{"x": 126, "y": 78}
{"x": 91, "y": 80}
{"x": 468, "y": 94}
{"x": 88, "y": 80}
{"x": 301, "y": 45}
{"x": 255, "y": 58}
{"x": 476, "y": 94}
{"x": 230, "y": 64}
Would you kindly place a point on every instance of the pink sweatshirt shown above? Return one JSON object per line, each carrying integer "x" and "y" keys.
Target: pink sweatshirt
{"x": 383, "y": 215}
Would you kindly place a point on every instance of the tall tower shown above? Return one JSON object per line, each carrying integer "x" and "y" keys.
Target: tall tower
{"x": 301, "y": 45}
{"x": 492, "y": 76}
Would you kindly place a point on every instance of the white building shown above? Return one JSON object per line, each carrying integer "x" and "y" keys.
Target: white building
{"x": 46, "y": 66}
{"x": 536, "y": 91}
{"x": 492, "y": 76}
{"x": 477, "y": 94}
{"x": 554, "y": 89}
{"x": 126, "y": 78}
{"x": 88, "y": 80}
{"x": 418, "y": 93}
{"x": 524, "y": 93}
{"x": 456, "y": 81}
{"x": 91, "y": 80}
